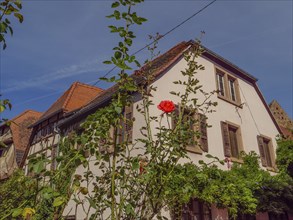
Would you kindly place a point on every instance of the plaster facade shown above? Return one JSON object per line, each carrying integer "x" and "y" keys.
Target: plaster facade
{"x": 251, "y": 115}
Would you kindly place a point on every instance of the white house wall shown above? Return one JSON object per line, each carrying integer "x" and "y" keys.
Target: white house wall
{"x": 8, "y": 163}
{"x": 42, "y": 146}
{"x": 253, "y": 118}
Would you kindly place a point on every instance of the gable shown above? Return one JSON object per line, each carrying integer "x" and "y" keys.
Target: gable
{"x": 77, "y": 96}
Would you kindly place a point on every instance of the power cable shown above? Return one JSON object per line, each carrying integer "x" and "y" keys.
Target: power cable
{"x": 112, "y": 69}
{"x": 254, "y": 121}
{"x": 162, "y": 36}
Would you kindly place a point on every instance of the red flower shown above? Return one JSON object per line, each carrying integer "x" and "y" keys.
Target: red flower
{"x": 166, "y": 106}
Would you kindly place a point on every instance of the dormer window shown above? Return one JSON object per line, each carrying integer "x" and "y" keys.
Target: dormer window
{"x": 227, "y": 87}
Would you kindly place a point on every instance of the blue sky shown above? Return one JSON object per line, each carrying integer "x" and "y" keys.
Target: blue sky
{"x": 65, "y": 41}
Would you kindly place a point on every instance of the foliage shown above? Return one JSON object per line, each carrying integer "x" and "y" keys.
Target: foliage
{"x": 137, "y": 178}
{"x": 8, "y": 7}
{"x": 276, "y": 193}
{"x": 285, "y": 156}
{"x": 16, "y": 193}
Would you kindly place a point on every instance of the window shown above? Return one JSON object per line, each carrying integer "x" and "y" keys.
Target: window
{"x": 266, "y": 151}
{"x": 196, "y": 209}
{"x": 228, "y": 88}
{"x": 196, "y": 129}
{"x": 232, "y": 89}
{"x": 232, "y": 140}
{"x": 220, "y": 81}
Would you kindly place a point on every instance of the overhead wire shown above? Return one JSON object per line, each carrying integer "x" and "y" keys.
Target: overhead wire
{"x": 161, "y": 36}
{"x": 136, "y": 52}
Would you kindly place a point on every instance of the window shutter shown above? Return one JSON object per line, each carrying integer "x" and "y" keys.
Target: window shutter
{"x": 261, "y": 150}
{"x": 226, "y": 140}
{"x": 203, "y": 132}
{"x": 129, "y": 124}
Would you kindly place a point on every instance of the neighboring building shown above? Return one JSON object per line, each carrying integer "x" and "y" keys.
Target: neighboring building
{"x": 45, "y": 136}
{"x": 242, "y": 121}
{"x": 15, "y": 139}
{"x": 282, "y": 118}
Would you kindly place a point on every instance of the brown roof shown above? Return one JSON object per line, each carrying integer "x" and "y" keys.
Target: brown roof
{"x": 19, "y": 128}
{"x": 159, "y": 66}
{"x": 77, "y": 96}
{"x": 162, "y": 62}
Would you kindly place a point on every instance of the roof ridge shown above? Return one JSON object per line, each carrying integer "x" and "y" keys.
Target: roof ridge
{"x": 24, "y": 112}
{"x": 67, "y": 90}
{"x": 72, "y": 89}
{"x": 173, "y": 49}
{"x": 88, "y": 86}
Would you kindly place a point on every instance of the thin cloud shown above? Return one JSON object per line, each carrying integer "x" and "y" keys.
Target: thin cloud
{"x": 65, "y": 72}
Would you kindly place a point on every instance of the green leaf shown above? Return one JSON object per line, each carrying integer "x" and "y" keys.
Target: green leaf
{"x": 129, "y": 209}
{"x": 19, "y": 16}
{"x": 135, "y": 165}
{"x": 10, "y": 29}
{"x": 137, "y": 63}
{"x": 18, "y": 4}
{"x": 92, "y": 203}
{"x": 118, "y": 109}
{"x": 16, "y": 212}
{"x": 117, "y": 15}
{"x": 38, "y": 167}
{"x": 209, "y": 156}
{"x": 58, "y": 201}
{"x": 107, "y": 62}
{"x": 2, "y": 108}
{"x": 128, "y": 41}
{"x": 2, "y": 27}
{"x": 84, "y": 190}
{"x": 115, "y": 4}
{"x": 117, "y": 55}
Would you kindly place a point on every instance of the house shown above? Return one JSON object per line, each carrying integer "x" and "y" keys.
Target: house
{"x": 282, "y": 118}
{"x": 14, "y": 139}
{"x": 45, "y": 136}
{"x": 242, "y": 121}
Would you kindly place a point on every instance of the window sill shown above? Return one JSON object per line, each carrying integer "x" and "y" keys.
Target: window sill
{"x": 195, "y": 150}
{"x": 271, "y": 169}
{"x": 236, "y": 160}
{"x": 237, "y": 104}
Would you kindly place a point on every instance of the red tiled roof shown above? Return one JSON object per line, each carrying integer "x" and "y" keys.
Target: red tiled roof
{"x": 77, "y": 96}
{"x": 160, "y": 65}
{"x": 163, "y": 62}
{"x": 19, "y": 128}
{"x": 157, "y": 66}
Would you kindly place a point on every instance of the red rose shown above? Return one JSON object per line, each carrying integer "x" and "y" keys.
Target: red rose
{"x": 166, "y": 106}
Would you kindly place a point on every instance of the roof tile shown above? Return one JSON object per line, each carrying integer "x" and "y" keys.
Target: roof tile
{"x": 77, "y": 96}
{"x": 19, "y": 127}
